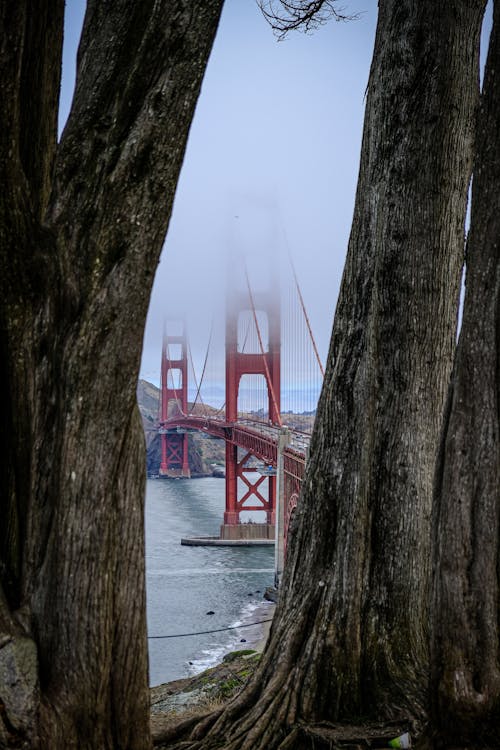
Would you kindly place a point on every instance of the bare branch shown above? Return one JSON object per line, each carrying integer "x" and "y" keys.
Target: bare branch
{"x": 289, "y": 15}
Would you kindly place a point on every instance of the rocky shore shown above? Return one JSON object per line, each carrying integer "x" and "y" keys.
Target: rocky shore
{"x": 195, "y": 696}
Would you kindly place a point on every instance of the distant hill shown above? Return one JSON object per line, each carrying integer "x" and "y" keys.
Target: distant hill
{"x": 205, "y": 452}
{"x": 148, "y": 397}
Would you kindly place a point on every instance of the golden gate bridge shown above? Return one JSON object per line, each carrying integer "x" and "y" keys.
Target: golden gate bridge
{"x": 270, "y": 351}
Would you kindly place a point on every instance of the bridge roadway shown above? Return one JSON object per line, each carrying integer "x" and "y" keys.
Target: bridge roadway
{"x": 258, "y": 437}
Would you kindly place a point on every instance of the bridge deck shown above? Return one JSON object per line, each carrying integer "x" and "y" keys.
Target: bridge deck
{"x": 258, "y": 437}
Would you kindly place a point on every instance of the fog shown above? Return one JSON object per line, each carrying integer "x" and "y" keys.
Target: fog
{"x": 270, "y": 169}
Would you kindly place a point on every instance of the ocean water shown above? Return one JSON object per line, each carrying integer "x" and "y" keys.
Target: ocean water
{"x": 184, "y": 583}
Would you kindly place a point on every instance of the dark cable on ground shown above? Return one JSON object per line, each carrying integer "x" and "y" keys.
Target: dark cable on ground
{"x": 206, "y": 632}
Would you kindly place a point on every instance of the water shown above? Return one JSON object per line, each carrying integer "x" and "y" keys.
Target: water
{"x": 184, "y": 583}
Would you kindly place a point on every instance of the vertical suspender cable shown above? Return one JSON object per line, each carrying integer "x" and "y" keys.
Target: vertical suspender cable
{"x": 198, "y": 387}
{"x": 306, "y": 317}
{"x": 266, "y": 368}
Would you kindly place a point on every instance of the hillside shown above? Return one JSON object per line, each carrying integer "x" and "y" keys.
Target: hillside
{"x": 205, "y": 452}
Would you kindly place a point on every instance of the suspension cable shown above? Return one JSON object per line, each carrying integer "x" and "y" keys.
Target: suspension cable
{"x": 247, "y": 332}
{"x": 302, "y": 304}
{"x": 174, "y": 388}
{"x": 198, "y": 393}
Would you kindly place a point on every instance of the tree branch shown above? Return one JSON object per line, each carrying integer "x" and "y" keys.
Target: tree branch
{"x": 289, "y": 15}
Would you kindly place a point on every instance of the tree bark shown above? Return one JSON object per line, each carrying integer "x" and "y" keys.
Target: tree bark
{"x": 350, "y": 636}
{"x": 81, "y": 228}
{"x": 466, "y": 615}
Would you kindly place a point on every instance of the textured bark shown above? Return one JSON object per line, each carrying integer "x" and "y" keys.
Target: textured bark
{"x": 81, "y": 229}
{"x": 466, "y": 595}
{"x": 350, "y": 636}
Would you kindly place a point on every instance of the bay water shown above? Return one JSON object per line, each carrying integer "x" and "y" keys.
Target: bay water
{"x": 185, "y": 583}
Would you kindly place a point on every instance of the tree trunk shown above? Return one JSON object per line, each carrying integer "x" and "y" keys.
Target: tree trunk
{"x": 350, "y": 635}
{"x": 466, "y": 615}
{"x": 81, "y": 229}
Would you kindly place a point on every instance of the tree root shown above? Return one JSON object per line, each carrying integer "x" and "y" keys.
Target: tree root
{"x": 270, "y": 713}
{"x": 274, "y": 734}
{"x": 170, "y": 730}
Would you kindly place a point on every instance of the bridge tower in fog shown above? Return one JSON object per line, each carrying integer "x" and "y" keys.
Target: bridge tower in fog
{"x": 174, "y": 402}
{"x": 265, "y": 461}
{"x": 244, "y": 482}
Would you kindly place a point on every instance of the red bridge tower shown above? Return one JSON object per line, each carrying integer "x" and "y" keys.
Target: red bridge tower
{"x": 238, "y": 363}
{"x": 174, "y": 400}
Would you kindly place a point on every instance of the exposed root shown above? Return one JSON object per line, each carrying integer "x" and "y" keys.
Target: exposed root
{"x": 271, "y": 714}
{"x": 167, "y": 730}
{"x": 273, "y": 735}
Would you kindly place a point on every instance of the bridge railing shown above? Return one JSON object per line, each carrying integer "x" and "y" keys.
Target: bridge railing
{"x": 259, "y": 437}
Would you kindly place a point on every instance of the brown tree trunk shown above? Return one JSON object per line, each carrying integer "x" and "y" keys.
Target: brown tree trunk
{"x": 350, "y": 636}
{"x": 81, "y": 229}
{"x": 466, "y": 594}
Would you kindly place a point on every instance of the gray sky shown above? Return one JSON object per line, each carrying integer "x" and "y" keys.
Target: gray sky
{"x": 275, "y": 142}
{"x": 273, "y": 151}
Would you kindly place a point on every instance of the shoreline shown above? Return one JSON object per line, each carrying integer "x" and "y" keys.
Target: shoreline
{"x": 214, "y": 685}
{"x": 243, "y": 637}
{"x": 256, "y": 638}
{"x": 266, "y": 629}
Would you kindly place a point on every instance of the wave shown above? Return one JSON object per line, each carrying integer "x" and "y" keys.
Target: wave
{"x": 251, "y": 612}
{"x": 205, "y": 571}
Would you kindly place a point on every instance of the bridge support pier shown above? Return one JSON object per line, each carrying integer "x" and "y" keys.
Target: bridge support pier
{"x": 231, "y": 514}
{"x": 174, "y": 455}
{"x": 247, "y": 531}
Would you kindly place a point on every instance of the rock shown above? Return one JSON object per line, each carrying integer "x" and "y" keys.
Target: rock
{"x": 198, "y": 693}
{"x": 271, "y": 594}
{"x": 181, "y": 702}
{"x": 233, "y": 656}
{"x": 19, "y": 682}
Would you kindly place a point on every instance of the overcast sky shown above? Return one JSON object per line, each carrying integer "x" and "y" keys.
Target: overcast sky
{"x": 273, "y": 152}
